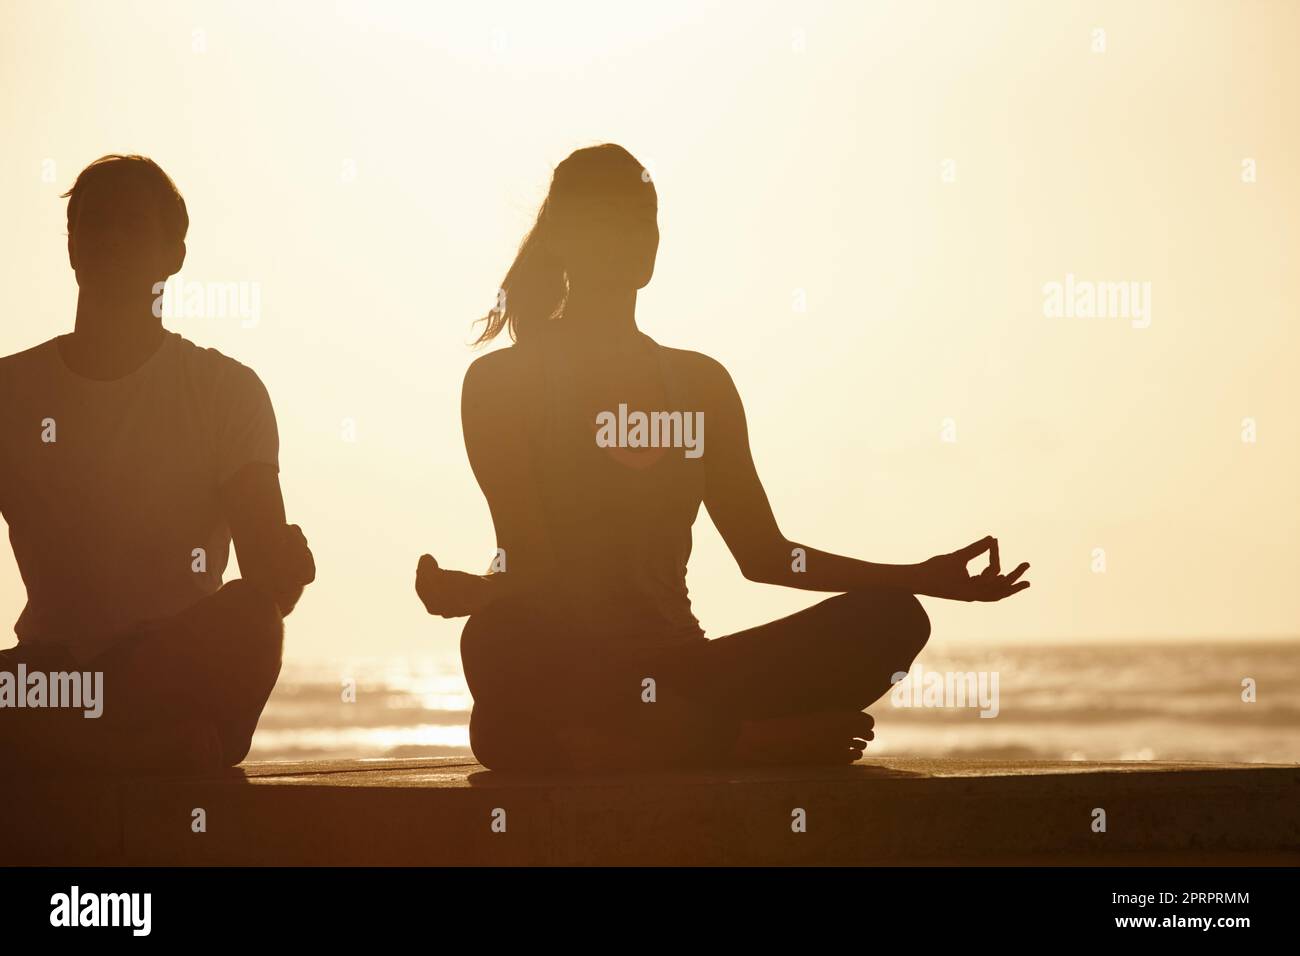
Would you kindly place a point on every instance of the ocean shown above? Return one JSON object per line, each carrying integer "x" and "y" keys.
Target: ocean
{"x": 1167, "y": 701}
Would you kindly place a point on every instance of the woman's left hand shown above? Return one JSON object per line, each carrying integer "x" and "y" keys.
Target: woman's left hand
{"x": 945, "y": 576}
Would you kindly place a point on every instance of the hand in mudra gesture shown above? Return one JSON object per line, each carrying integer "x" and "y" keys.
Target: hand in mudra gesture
{"x": 945, "y": 575}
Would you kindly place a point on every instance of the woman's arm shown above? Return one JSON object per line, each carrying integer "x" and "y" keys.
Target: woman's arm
{"x": 741, "y": 512}
{"x": 494, "y": 403}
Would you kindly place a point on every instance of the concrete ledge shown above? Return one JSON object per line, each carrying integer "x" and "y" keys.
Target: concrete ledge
{"x": 438, "y": 811}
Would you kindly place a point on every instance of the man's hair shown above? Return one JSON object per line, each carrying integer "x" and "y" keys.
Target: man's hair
{"x": 138, "y": 175}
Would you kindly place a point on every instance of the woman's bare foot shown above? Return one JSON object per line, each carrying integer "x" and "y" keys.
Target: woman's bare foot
{"x": 829, "y": 739}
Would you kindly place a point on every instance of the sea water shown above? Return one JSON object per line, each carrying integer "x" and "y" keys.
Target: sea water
{"x": 1105, "y": 701}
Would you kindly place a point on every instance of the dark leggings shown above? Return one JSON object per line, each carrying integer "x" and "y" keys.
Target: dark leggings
{"x": 533, "y": 681}
{"x": 214, "y": 663}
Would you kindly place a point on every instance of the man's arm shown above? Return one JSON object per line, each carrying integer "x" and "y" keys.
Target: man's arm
{"x": 273, "y": 555}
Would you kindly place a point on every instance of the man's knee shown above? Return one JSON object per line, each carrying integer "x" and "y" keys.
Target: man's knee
{"x": 248, "y": 600}
{"x": 251, "y": 621}
{"x": 253, "y": 627}
{"x": 234, "y": 746}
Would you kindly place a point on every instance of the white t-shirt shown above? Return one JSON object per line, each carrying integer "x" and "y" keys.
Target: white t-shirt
{"x": 109, "y": 488}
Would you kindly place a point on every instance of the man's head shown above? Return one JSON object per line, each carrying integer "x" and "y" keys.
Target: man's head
{"x": 126, "y": 226}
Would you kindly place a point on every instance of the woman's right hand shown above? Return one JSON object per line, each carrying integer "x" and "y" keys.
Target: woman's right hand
{"x": 945, "y": 575}
{"x": 449, "y": 593}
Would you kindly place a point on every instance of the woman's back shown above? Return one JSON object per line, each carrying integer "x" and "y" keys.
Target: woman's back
{"x": 616, "y": 497}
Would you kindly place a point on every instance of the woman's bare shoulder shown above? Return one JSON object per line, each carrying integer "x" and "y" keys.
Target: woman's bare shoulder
{"x": 502, "y": 371}
{"x": 705, "y": 374}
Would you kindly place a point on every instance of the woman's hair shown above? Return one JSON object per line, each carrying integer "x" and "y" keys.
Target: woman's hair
{"x": 535, "y": 287}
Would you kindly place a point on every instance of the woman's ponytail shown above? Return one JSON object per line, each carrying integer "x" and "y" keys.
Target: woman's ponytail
{"x": 532, "y": 292}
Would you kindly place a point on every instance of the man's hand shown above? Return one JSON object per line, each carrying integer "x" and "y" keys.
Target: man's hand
{"x": 273, "y": 555}
{"x": 449, "y": 593}
{"x": 296, "y": 566}
{"x": 945, "y": 576}
{"x": 287, "y": 568}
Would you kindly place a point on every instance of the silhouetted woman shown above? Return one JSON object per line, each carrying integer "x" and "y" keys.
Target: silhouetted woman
{"x": 584, "y": 653}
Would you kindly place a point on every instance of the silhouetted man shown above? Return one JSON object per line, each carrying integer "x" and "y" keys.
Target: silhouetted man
{"x": 129, "y": 458}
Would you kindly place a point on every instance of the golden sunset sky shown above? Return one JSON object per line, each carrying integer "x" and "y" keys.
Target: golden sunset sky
{"x": 911, "y": 174}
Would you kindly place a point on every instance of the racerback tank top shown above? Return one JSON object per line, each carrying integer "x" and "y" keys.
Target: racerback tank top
{"x": 621, "y": 531}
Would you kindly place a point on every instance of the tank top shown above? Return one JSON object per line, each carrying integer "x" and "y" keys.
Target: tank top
{"x": 621, "y": 532}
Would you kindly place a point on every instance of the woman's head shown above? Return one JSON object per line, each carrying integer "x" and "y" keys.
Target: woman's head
{"x": 597, "y": 229}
